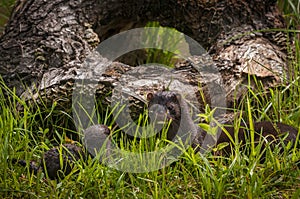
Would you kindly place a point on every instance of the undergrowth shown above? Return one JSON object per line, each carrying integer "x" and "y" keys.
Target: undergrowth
{"x": 26, "y": 134}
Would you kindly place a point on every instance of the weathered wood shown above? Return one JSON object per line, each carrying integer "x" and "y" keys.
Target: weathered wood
{"x": 46, "y": 42}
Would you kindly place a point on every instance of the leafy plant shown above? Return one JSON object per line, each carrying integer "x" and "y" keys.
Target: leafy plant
{"x": 5, "y": 9}
{"x": 163, "y": 39}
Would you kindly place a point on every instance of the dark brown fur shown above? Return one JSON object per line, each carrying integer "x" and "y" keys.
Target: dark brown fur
{"x": 51, "y": 160}
{"x": 167, "y": 105}
{"x": 69, "y": 153}
{"x": 265, "y": 131}
{"x": 174, "y": 107}
{"x": 51, "y": 164}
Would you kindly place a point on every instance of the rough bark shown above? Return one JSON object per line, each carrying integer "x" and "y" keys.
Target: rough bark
{"x": 46, "y": 42}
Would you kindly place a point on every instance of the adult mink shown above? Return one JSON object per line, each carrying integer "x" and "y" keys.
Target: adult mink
{"x": 265, "y": 132}
{"x": 170, "y": 107}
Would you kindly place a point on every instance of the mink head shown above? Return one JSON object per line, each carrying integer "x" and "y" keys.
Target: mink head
{"x": 164, "y": 107}
{"x": 51, "y": 161}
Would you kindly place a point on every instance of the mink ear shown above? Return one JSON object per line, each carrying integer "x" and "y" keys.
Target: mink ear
{"x": 177, "y": 96}
{"x": 165, "y": 88}
{"x": 149, "y": 96}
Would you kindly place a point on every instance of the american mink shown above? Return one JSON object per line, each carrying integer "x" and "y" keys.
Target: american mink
{"x": 51, "y": 163}
{"x": 265, "y": 131}
{"x": 163, "y": 106}
{"x": 95, "y": 137}
{"x": 167, "y": 106}
{"x": 172, "y": 106}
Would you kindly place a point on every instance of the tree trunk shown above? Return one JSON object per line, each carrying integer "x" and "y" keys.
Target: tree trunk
{"x": 46, "y": 42}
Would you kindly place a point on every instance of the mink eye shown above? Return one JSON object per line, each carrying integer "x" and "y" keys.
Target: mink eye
{"x": 171, "y": 108}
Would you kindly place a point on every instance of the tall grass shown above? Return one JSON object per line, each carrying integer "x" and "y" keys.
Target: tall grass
{"x": 291, "y": 10}
{"x": 192, "y": 176}
{"x": 22, "y": 136}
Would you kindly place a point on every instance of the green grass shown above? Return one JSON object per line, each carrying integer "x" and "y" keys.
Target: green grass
{"x": 27, "y": 134}
{"x": 291, "y": 10}
{"x": 192, "y": 176}
{"x": 22, "y": 136}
